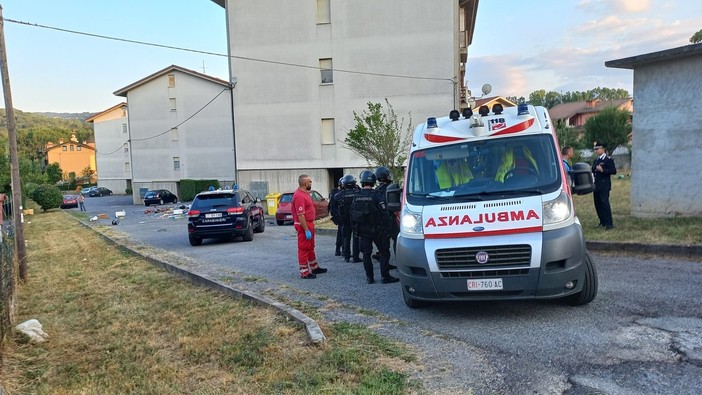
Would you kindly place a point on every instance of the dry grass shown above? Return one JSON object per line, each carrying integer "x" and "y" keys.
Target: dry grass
{"x": 120, "y": 325}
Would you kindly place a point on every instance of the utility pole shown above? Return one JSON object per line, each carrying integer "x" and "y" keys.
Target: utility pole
{"x": 20, "y": 248}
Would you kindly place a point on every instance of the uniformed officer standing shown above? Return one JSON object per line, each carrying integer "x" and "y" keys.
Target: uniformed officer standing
{"x": 334, "y": 211}
{"x": 602, "y": 169}
{"x": 369, "y": 221}
{"x": 344, "y": 200}
{"x": 384, "y": 177}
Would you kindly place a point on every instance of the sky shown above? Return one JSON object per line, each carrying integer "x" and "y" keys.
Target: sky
{"x": 518, "y": 46}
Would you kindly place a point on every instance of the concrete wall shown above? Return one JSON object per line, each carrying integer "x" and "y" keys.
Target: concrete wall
{"x": 667, "y": 142}
{"x": 279, "y": 107}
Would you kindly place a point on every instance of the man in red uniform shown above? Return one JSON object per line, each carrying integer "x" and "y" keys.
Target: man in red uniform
{"x": 304, "y": 225}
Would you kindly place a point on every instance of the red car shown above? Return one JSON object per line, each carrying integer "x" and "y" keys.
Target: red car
{"x": 69, "y": 201}
{"x": 284, "y": 212}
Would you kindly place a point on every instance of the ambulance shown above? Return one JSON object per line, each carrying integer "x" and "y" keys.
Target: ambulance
{"x": 486, "y": 211}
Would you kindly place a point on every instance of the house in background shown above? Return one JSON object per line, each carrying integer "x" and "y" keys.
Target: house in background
{"x": 667, "y": 129}
{"x": 575, "y": 114}
{"x": 303, "y": 68}
{"x": 491, "y": 101}
{"x": 179, "y": 126}
{"x": 72, "y": 156}
{"x": 111, "y": 131}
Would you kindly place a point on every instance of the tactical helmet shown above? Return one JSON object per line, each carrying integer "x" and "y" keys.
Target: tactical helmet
{"x": 383, "y": 174}
{"x": 367, "y": 177}
{"x": 348, "y": 181}
{"x": 340, "y": 182}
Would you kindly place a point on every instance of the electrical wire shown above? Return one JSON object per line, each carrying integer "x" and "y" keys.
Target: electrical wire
{"x": 224, "y": 55}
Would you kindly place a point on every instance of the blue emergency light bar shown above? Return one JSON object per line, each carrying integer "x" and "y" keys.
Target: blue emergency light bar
{"x": 431, "y": 123}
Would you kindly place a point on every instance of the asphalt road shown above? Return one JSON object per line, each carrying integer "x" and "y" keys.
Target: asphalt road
{"x": 642, "y": 335}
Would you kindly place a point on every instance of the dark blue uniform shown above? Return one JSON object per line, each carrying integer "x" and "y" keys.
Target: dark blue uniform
{"x": 393, "y": 226}
{"x": 334, "y": 211}
{"x": 603, "y": 184}
{"x": 344, "y": 199}
{"x": 370, "y": 220}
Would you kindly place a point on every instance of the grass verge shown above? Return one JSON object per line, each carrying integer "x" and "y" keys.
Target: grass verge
{"x": 120, "y": 325}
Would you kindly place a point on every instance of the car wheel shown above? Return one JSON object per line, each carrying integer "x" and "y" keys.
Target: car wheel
{"x": 175, "y": 199}
{"x": 589, "y": 291}
{"x": 109, "y": 193}
{"x": 160, "y": 202}
{"x": 146, "y": 204}
{"x": 195, "y": 241}
{"x": 261, "y": 225}
{"x": 249, "y": 234}
{"x": 279, "y": 222}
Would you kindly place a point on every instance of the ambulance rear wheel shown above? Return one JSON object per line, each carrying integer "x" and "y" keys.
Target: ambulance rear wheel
{"x": 411, "y": 303}
{"x": 589, "y": 291}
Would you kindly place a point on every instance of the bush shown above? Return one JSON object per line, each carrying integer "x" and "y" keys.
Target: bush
{"x": 128, "y": 191}
{"x": 190, "y": 188}
{"x": 47, "y": 196}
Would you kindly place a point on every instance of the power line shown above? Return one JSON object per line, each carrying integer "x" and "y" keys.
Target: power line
{"x": 174, "y": 127}
{"x": 224, "y": 55}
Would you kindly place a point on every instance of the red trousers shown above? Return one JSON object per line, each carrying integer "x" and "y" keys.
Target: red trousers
{"x": 306, "y": 257}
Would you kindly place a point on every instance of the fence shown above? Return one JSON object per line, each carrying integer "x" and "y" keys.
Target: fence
{"x": 8, "y": 280}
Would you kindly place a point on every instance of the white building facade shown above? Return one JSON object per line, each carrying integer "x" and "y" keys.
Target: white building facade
{"x": 113, "y": 163}
{"x": 180, "y": 126}
{"x": 302, "y": 68}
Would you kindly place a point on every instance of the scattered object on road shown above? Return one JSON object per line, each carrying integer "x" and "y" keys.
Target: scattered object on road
{"x": 115, "y": 222}
{"x": 120, "y": 214}
{"x": 93, "y": 219}
{"x": 102, "y": 216}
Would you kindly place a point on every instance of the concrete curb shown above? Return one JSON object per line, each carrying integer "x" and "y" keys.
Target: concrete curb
{"x": 314, "y": 332}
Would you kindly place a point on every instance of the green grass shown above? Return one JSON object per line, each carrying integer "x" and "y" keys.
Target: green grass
{"x": 677, "y": 231}
{"x": 119, "y": 324}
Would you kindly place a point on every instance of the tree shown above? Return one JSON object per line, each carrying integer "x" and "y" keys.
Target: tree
{"x": 47, "y": 196}
{"x": 380, "y": 137}
{"x": 697, "y": 37}
{"x": 610, "y": 127}
{"x": 54, "y": 173}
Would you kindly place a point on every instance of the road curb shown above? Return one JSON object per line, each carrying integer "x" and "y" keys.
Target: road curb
{"x": 314, "y": 332}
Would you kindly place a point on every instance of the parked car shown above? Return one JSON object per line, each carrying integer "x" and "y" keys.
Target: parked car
{"x": 225, "y": 214}
{"x": 284, "y": 212}
{"x": 69, "y": 201}
{"x": 160, "y": 197}
{"x": 86, "y": 191}
{"x": 100, "y": 191}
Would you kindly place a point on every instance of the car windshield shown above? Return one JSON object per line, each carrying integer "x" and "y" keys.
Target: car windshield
{"x": 286, "y": 198}
{"x": 216, "y": 200}
{"x": 484, "y": 170}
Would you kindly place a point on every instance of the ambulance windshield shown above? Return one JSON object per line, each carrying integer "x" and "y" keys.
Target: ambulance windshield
{"x": 482, "y": 169}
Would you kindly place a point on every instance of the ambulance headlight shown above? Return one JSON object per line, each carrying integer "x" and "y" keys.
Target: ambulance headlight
{"x": 557, "y": 210}
{"x": 411, "y": 222}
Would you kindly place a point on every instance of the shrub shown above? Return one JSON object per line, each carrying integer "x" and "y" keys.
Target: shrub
{"x": 47, "y": 196}
{"x": 128, "y": 191}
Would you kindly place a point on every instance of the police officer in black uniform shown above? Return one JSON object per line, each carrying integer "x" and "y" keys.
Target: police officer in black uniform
{"x": 384, "y": 177}
{"x": 334, "y": 211}
{"x": 602, "y": 168}
{"x": 343, "y": 200}
{"x": 369, "y": 221}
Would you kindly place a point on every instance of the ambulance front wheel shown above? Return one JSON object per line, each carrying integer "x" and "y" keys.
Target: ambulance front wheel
{"x": 589, "y": 291}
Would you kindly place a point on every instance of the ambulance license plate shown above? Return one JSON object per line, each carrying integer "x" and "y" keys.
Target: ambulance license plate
{"x": 485, "y": 284}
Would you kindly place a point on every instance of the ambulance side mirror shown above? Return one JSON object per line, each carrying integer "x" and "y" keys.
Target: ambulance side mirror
{"x": 393, "y": 198}
{"x": 583, "y": 180}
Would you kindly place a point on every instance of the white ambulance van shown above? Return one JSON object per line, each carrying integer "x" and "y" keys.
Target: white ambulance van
{"x": 486, "y": 211}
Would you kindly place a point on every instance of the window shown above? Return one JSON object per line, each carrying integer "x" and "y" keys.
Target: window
{"x": 126, "y": 148}
{"x": 124, "y": 112}
{"x": 327, "y": 131}
{"x": 64, "y": 148}
{"x": 126, "y": 166}
{"x": 171, "y": 80}
{"x": 174, "y": 134}
{"x": 72, "y": 147}
{"x": 78, "y": 147}
{"x": 176, "y": 163}
{"x": 323, "y": 11}
{"x": 325, "y": 66}
{"x": 124, "y": 128}
{"x": 172, "y": 102}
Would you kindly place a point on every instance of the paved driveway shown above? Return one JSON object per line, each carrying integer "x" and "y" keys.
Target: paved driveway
{"x": 643, "y": 333}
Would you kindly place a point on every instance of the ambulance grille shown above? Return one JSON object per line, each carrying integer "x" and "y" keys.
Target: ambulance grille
{"x": 465, "y": 257}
